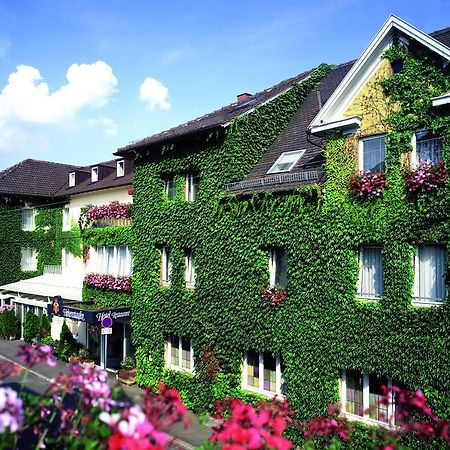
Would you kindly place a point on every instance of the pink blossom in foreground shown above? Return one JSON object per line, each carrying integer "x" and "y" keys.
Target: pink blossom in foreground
{"x": 250, "y": 428}
{"x": 33, "y": 355}
{"x": 11, "y": 410}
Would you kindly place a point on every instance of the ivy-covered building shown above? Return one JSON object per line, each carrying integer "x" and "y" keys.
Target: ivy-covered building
{"x": 65, "y": 229}
{"x": 296, "y": 241}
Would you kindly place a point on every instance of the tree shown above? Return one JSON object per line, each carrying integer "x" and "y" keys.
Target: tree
{"x": 30, "y": 326}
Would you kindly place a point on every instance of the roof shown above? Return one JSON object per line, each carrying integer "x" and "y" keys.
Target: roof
{"x": 49, "y": 285}
{"x": 309, "y": 168}
{"x": 442, "y": 36}
{"x": 215, "y": 119}
{"x": 107, "y": 182}
{"x": 34, "y": 178}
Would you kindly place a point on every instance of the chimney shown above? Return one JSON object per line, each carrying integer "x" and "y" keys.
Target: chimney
{"x": 243, "y": 97}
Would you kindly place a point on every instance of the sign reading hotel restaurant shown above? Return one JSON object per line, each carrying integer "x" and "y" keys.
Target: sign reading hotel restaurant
{"x": 87, "y": 314}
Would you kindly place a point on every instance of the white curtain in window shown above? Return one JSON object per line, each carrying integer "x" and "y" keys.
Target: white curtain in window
{"x": 370, "y": 272}
{"x": 428, "y": 147}
{"x": 124, "y": 257}
{"x": 374, "y": 152}
{"x": 110, "y": 261}
{"x": 429, "y": 280}
{"x": 27, "y": 218}
{"x": 28, "y": 259}
{"x": 190, "y": 269}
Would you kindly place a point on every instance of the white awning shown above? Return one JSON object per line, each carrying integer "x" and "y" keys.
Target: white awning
{"x": 49, "y": 285}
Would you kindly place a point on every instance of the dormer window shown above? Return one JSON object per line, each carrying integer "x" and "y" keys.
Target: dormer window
{"x": 71, "y": 179}
{"x": 286, "y": 161}
{"x": 120, "y": 168}
{"x": 94, "y": 174}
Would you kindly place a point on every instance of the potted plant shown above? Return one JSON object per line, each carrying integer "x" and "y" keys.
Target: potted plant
{"x": 75, "y": 359}
{"x": 127, "y": 373}
{"x": 86, "y": 357}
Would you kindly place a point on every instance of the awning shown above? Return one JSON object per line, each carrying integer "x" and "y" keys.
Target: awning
{"x": 87, "y": 311}
{"x": 49, "y": 285}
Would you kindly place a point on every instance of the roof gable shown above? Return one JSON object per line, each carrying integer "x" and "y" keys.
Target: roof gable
{"x": 333, "y": 110}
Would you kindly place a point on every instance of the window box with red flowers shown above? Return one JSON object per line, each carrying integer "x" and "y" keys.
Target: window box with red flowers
{"x": 112, "y": 214}
{"x": 364, "y": 185}
{"x": 275, "y": 295}
{"x": 108, "y": 282}
{"x": 425, "y": 178}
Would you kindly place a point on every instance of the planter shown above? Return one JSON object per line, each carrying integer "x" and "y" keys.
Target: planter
{"x": 89, "y": 362}
{"x": 126, "y": 376}
{"x": 112, "y": 222}
{"x": 75, "y": 359}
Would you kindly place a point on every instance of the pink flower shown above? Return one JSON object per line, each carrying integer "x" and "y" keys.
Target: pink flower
{"x": 32, "y": 356}
{"x": 11, "y": 410}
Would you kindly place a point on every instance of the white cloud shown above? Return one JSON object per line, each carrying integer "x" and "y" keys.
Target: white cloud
{"x": 26, "y": 98}
{"x": 108, "y": 124}
{"x": 154, "y": 93}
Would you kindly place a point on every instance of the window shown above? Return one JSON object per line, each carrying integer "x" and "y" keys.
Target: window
{"x": 29, "y": 260}
{"x": 370, "y": 272}
{"x": 71, "y": 179}
{"x": 372, "y": 154}
{"x": 429, "y": 269}
{"x": 278, "y": 267}
{"x": 94, "y": 174}
{"x": 166, "y": 266}
{"x": 120, "y": 168}
{"x": 179, "y": 354}
{"x": 428, "y": 147}
{"x": 28, "y": 215}
{"x": 112, "y": 260}
{"x": 262, "y": 373}
{"x": 360, "y": 394}
{"x": 66, "y": 218}
{"x": 189, "y": 275}
{"x": 191, "y": 187}
{"x": 286, "y": 161}
{"x": 169, "y": 188}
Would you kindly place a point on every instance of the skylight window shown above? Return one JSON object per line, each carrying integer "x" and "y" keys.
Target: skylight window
{"x": 286, "y": 161}
{"x": 94, "y": 174}
{"x": 71, "y": 179}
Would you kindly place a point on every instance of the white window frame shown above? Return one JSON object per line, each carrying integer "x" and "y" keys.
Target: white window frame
{"x": 260, "y": 389}
{"x": 94, "y": 174}
{"x": 297, "y": 153}
{"x": 72, "y": 179}
{"x": 32, "y": 267}
{"x": 189, "y": 274}
{"x": 98, "y": 260}
{"x": 120, "y": 168}
{"x": 189, "y": 194}
{"x": 166, "y": 266}
{"x": 168, "y": 354}
{"x": 366, "y": 402}
{"x": 66, "y": 218}
{"x": 416, "y": 288}
{"x": 361, "y": 150}
{"x": 33, "y": 220}
{"x": 273, "y": 264}
{"x": 359, "y": 293}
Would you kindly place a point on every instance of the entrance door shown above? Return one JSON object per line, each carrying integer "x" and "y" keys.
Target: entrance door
{"x": 115, "y": 347}
{"x": 94, "y": 342}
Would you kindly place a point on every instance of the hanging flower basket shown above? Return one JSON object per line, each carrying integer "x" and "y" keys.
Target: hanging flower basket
{"x": 364, "y": 185}
{"x": 426, "y": 178}
{"x": 273, "y": 294}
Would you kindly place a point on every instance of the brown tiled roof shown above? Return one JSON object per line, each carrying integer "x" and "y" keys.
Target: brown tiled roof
{"x": 107, "y": 182}
{"x": 295, "y": 137}
{"x": 34, "y": 178}
{"x": 442, "y": 36}
{"x": 215, "y": 119}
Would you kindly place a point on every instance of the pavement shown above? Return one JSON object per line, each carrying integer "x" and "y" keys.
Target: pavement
{"x": 38, "y": 381}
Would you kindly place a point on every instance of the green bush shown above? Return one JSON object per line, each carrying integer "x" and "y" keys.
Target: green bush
{"x": 44, "y": 328}
{"x": 67, "y": 345}
{"x": 47, "y": 340}
{"x": 30, "y": 326}
{"x": 9, "y": 323}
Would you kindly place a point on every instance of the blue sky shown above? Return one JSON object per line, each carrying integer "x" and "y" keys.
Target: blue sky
{"x": 139, "y": 67}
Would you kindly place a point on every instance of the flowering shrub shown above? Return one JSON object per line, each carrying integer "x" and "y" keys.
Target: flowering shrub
{"x": 114, "y": 210}
{"x": 93, "y": 419}
{"x": 250, "y": 428}
{"x": 425, "y": 178}
{"x": 273, "y": 294}
{"x": 365, "y": 185}
{"x": 98, "y": 281}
